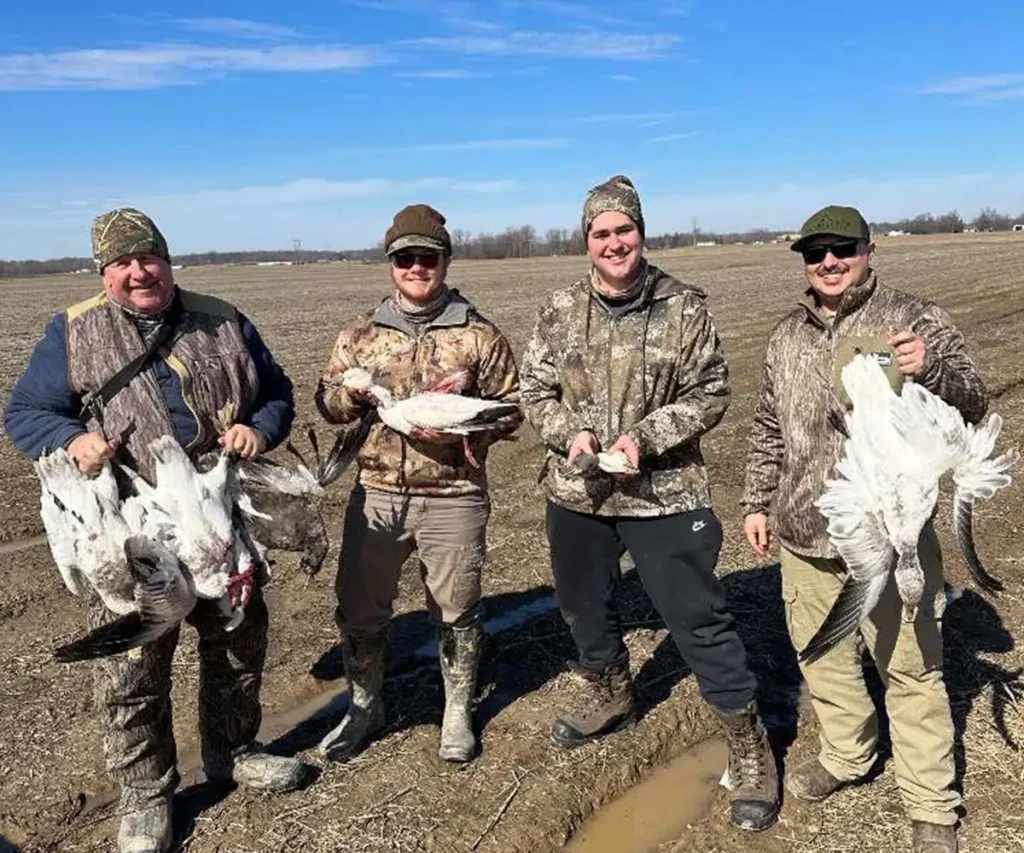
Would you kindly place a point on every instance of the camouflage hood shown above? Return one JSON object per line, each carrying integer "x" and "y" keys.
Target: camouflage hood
{"x": 656, "y": 373}
{"x": 407, "y": 359}
{"x": 794, "y": 444}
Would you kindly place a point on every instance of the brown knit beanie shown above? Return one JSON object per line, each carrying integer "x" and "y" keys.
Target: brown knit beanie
{"x": 618, "y": 194}
{"x": 418, "y": 226}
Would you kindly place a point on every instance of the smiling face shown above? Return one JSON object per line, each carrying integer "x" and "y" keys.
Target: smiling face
{"x": 615, "y": 248}
{"x": 141, "y": 282}
{"x": 418, "y": 274}
{"x": 832, "y": 276}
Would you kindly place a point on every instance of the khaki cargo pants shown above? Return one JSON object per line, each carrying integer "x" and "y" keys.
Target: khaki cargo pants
{"x": 908, "y": 656}
{"x": 383, "y": 528}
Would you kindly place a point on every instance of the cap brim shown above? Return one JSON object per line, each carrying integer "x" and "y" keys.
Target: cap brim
{"x": 416, "y": 241}
{"x": 798, "y": 245}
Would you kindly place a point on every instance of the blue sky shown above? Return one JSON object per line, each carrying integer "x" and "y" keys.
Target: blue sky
{"x": 248, "y": 125}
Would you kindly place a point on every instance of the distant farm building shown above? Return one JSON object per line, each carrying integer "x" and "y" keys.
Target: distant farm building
{"x": 1019, "y": 226}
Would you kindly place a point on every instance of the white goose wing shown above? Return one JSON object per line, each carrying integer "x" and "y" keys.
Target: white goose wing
{"x": 82, "y": 514}
{"x": 453, "y": 412}
{"x": 163, "y": 595}
{"x": 938, "y": 431}
{"x": 857, "y": 529}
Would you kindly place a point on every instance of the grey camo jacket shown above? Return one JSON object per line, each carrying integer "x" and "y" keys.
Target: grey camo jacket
{"x": 656, "y": 373}
{"x": 793, "y": 447}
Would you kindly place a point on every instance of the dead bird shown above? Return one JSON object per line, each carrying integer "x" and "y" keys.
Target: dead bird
{"x": 898, "y": 449}
{"x": 163, "y": 596}
{"x": 279, "y": 508}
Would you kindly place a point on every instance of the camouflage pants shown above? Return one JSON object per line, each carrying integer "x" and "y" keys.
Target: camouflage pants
{"x": 133, "y": 695}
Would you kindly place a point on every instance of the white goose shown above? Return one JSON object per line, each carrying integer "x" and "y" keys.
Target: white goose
{"x": 440, "y": 409}
{"x": 897, "y": 450}
{"x": 186, "y": 519}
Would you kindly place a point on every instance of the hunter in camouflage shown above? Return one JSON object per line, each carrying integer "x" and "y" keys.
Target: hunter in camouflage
{"x": 627, "y": 361}
{"x": 795, "y": 442}
{"x": 422, "y": 492}
{"x": 204, "y": 359}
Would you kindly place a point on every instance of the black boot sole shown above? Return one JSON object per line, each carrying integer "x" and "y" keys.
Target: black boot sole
{"x": 567, "y": 737}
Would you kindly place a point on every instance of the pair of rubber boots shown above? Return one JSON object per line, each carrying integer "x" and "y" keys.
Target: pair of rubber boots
{"x": 365, "y": 658}
{"x": 607, "y": 703}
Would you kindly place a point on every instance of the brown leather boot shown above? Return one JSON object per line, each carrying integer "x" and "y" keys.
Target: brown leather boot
{"x": 933, "y": 837}
{"x": 751, "y": 775}
{"x": 608, "y": 704}
{"x": 811, "y": 782}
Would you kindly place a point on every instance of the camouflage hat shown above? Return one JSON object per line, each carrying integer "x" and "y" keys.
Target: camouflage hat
{"x": 418, "y": 226}
{"x": 618, "y": 194}
{"x": 836, "y": 221}
{"x": 125, "y": 231}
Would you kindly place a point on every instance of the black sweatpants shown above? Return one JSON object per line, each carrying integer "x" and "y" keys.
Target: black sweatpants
{"x": 675, "y": 557}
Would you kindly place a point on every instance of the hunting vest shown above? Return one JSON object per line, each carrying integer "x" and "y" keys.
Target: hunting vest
{"x": 207, "y": 351}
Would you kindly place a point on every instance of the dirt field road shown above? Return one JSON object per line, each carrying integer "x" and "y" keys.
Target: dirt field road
{"x": 522, "y": 794}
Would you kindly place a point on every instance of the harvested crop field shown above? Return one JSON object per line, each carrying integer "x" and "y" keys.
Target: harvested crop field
{"x": 523, "y": 793}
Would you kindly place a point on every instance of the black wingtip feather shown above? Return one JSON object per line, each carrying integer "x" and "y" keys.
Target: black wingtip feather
{"x": 110, "y": 639}
{"x": 963, "y": 526}
{"x": 842, "y": 620}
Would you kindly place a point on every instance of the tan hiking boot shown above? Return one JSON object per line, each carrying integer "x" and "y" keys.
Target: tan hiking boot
{"x": 459, "y": 652}
{"x": 933, "y": 838}
{"x": 608, "y": 705}
{"x": 365, "y": 657}
{"x": 751, "y": 775}
{"x": 811, "y": 782}
{"x": 146, "y": 830}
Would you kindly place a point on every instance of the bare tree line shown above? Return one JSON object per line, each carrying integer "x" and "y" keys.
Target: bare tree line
{"x": 525, "y": 241}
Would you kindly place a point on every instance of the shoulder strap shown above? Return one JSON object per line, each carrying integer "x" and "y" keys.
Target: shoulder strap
{"x": 93, "y": 403}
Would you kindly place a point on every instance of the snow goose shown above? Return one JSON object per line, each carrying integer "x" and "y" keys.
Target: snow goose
{"x": 164, "y": 595}
{"x": 442, "y": 409}
{"x": 897, "y": 450}
{"x": 277, "y": 503}
{"x": 86, "y": 530}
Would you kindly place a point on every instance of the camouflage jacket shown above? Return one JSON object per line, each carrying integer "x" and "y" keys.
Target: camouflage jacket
{"x": 409, "y": 360}
{"x": 793, "y": 445}
{"x": 656, "y": 373}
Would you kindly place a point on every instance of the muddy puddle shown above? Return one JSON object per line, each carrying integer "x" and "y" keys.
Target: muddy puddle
{"x": 658, "y": 809}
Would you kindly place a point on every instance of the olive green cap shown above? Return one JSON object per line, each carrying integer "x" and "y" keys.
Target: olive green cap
{"x": 836, "y": 221}
{"x": 125, "y": 231}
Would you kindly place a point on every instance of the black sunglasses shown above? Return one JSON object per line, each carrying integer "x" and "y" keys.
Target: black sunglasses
{"x": 841, "y": 249}
{"x": 406, "y": 260}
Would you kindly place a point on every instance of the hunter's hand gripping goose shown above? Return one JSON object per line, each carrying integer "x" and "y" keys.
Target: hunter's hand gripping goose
{"x": 899, "y": 446}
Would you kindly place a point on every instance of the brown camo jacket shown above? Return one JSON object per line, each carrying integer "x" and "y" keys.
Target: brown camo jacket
{"x": 406, "y": 364}
{"x": 793, "y": 447}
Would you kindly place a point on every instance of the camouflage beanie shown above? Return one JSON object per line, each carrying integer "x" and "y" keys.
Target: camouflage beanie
{"x": 418, "y": 226}
{"x": 125, "y": 231}
{"x": 618, "y": 194}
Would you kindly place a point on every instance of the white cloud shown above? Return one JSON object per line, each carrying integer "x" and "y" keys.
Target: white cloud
{"x": 579, "y": 44}
{"x": 673, "y": 137}
{"x": 980, "y": 88}
{"x": 238, "y": 28}
{"x": 622, "y": 78}
{"x": 170, "y": 64}
{"x": 441, "y": 74}
{"x": 563, "y": 9}
{"x": 467, "y": 145}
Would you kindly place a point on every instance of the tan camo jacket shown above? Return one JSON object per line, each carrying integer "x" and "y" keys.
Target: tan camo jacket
{"x": 407, "y": 363}
{"x": 793, "y": 446}
{"x": 656, "y": 373}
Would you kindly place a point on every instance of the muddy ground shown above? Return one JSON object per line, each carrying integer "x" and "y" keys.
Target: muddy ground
{"x": 522, "y": 794}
